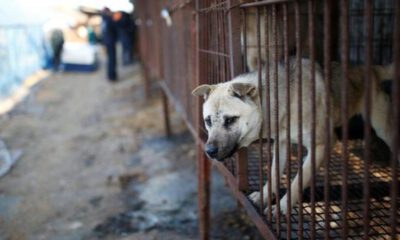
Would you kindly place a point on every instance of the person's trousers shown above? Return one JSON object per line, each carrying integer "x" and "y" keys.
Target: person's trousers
{"x": 57, "y": 56}
{"x": 111, "y": 62}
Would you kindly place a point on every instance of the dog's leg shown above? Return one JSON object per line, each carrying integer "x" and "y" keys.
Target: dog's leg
{"x": 381, "y": 116}
{"x": 319, "y": 155}
{"x": 255, "y": 196}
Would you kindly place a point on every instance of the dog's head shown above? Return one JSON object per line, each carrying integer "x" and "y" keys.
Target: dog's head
{"x": 232, "y": 116}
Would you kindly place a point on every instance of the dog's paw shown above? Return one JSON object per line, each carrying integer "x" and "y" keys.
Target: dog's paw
{"x": 283, "y": 208}
{"x": 255, "y": 197}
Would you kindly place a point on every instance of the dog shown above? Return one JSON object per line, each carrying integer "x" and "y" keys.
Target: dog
{"x": 234, "y": 113}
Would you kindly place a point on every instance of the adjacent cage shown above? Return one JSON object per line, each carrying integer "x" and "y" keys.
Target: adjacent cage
{"x": 325, "y": 68}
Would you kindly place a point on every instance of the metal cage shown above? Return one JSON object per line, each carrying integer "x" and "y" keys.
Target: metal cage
{"x": 351, "y": 195}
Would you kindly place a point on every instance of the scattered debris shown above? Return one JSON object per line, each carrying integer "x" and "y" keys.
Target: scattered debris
{"x": 75, "y": 225}
{"x": 7, "y": 159}
{"x": 126, "y": 223}
{"x": 95, "y": 201}
{"x": 127, "y": 178}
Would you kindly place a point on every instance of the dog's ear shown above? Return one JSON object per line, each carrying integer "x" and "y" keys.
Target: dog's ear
{"x": 203, "y": 90}
{"x": 243, "y": 89}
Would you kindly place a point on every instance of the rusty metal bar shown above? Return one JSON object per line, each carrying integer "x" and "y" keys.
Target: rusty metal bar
{"x": 203, "y": 164}
{"x": 211, "y": 52}
{"x": 204, "y": 194}
{"x": 300, "y": 117}
{"x": 235, "y": 66}
{"x": 185, "y": 59}
{"x": 167, "y": 124}
{"x": 222, "y": 41}
{"x": 199, "y": 74}
{"x": 217, "y": 29}
{"x": 327, "y": 79}
{"x": 311, "y": 34}
{"x": 268, "y": 113}
{"x": 234, "y": 38}
{"x": 396, "y": 122}
{"x": 194, "y": 67}
{"x": 211, "y": 39}
{"x": 242, "y": 172}
{"x": 276, "y": 115}
{"x": 244, "y": 59}
{"x": 259, "y": 76}
{"x": 226, "y": 59}
{"x": 368, "y": 28}
{"x": 263, "y": 3}
{"x": 148, "y": 76}
{"x": 288, "y": 139}
{"x": 344, "y": 109}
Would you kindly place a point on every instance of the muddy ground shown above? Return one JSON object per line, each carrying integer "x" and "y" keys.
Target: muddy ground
{"x": 97, "y": 165}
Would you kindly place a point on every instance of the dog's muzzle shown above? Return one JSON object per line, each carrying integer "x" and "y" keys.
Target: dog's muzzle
{"x": 212, "y": 151}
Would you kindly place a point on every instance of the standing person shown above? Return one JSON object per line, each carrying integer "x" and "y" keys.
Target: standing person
{"x": 109, "y": 40}
{"x": 57, "y": 43}
{"x": 124, "y": 24}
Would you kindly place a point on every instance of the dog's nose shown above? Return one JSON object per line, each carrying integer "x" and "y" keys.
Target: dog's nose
{"x": 211, "y": 150}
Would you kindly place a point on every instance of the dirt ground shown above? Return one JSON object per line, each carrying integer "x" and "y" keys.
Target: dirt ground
{"x": 97, "y": 165}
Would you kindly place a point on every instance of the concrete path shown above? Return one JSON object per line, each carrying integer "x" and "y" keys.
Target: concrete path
{"x": 96, "y": 165}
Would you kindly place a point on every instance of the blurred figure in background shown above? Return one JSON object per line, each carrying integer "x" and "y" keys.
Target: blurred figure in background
{"x": 125, "y": 28}
{"x": 109, "y": 32}
{"x": 57, "y": 43}
{"x": 117, "y": 26}
{"x": 92, "y": 38}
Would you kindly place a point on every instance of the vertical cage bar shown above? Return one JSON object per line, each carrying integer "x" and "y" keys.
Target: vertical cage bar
{"x": 311, "y": 29}
{"x": 217, "y": 37}
{"x": 244, "y": 11}
{"x": 368, "y": 24}
{"x": 268, "y": 112}
{"x": 327, "y": 79}
{"x": 226, "y": 74}
{"x": 195, "y": 59}
{"x": 276, "y": 120}
{"x": 236, "y": 67}
{"x": 396, "y": 122}
{"x": 300, "y": 118}
{"x": 222, "y": 45}
{"x": 185, "y": 59}
{"x": 167, "y": 124}
{"x": 211, "y": 40}
{"x": 204, "y": 195}
{"x": 288, "y": 140}
{"x": 259, "y": 72}
{"x": 203, "y": 164}
{"x": 242, "y": 176}
{"x": 234, "y": 37}
{"x": 344, "y": 111}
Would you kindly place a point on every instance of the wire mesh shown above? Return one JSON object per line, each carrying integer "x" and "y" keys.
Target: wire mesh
{"x": 380, "y": 199}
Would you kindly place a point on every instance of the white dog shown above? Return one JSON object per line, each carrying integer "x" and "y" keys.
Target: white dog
{"x": 233, "y": 115}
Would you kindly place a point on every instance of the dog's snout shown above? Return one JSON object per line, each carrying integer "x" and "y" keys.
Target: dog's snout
{"x": 211, "y": 150}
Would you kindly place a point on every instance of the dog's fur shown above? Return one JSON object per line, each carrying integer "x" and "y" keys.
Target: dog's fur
{"x": 274, "y": 39}
{"x": 234, "y": 115}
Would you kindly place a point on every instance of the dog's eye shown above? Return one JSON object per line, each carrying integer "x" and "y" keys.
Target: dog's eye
{"x": 208, "y": 121}
{"x": 229, "y": 121}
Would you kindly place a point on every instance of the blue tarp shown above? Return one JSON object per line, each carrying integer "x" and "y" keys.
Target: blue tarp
{"x": 22, "y": 52}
